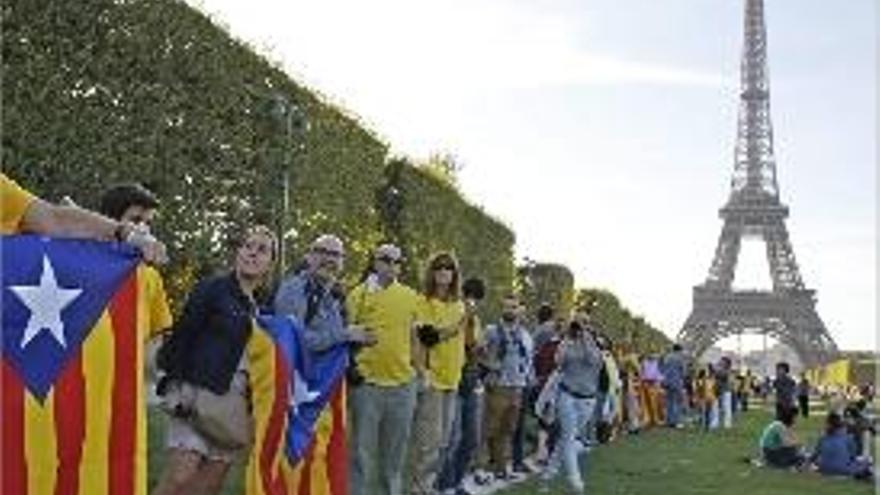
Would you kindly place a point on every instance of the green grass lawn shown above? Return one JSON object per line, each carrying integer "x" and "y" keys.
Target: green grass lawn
{"x": 659, "y": 462}
{"x": 690, "y": 462}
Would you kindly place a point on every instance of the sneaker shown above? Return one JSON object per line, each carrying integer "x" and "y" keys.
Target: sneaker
{"x": 504, "y": 476}
{"x": 522, "y": 468}
{"x": 482, "y": 478}
{"x": 575, "y": 486}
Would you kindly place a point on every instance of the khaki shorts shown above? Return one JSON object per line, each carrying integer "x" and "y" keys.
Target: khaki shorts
{"x": 183, "y": 436}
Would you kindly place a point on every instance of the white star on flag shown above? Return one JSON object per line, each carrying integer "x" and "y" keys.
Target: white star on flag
{"x": 45, "y": 302}
{"x": 301, "y": 393}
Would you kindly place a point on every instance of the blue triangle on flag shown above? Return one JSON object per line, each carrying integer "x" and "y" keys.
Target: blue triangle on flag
{"x": 86, "y": 274}
{"x": 312, "y": 375}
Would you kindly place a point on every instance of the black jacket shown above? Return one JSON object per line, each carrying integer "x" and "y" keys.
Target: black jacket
{"x": 210, "y": 337}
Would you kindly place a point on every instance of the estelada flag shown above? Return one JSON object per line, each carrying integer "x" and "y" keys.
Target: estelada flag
{"x": 75, "y": 317}
{"x": 299, "y": 413}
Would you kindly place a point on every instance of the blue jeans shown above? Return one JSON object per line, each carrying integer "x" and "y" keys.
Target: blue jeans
{"x": 588, "y": 431}
{"x": 674, "y": 405}
{"x": 381, "y": 421}
{"x": 725, "y": 404}
{"x": 464, "y": 441}
{"x": 572, "y": 414}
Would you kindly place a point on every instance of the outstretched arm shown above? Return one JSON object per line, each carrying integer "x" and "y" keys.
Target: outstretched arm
{"x": 45, "y": 218}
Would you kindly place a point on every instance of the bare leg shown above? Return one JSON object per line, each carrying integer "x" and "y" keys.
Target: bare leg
{"x": 181, "y": 468}
{"x": 211, "y": 475}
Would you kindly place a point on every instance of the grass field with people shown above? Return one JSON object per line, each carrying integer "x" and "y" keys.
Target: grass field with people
{"x": 691, "y": 462}
{"x": 657, "y": 462}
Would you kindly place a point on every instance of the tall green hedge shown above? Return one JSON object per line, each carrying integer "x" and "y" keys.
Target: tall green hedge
{"x": 429, "y": 215}
{"x": 625, "y": 329}
{"x": 97, "y": 92}
{"x": 550, "y": 283}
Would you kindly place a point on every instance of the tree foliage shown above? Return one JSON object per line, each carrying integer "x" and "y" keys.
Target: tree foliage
{"x": 433, "y": 216}
{"x": 627, "y": 330}
{"x": 97, "y": 92}
{"x": 546, "y": 283}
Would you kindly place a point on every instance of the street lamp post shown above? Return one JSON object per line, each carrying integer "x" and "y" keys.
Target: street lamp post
{"x": 295, "y": 125}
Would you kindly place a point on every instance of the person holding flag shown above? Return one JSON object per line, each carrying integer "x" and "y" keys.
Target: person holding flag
{"x": 206, "y": 352}
{"x": 309, "y": 296}
{"x": 22, "y": 212}
{"x": 76, "y": 314}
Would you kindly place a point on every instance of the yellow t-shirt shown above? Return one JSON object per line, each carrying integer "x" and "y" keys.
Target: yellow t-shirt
{"x": 154, "y": 313}
{"x": 389, "y": 313}
{"x": 14, "y": 202}
{"x": 706, "y": 390}
{"x": 446, "y": 358}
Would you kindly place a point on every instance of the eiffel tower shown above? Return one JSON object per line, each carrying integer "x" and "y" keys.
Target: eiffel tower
{"x": 788, "y": 311}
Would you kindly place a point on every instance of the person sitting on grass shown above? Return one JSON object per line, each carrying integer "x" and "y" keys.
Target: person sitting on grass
{"x": 860, "y": 426}
{"x": 779, "y": 444}
{"x": 836, "y": 452}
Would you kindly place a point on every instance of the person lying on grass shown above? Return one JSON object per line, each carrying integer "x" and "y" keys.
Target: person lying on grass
{"x": 780, "y": 446}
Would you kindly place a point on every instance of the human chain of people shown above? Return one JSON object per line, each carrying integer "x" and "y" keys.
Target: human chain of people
{"x": 219, "y": 279}
{"x": 438, "y": 401}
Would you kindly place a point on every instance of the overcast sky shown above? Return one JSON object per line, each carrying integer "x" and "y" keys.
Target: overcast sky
{"x": 602, "y": 131}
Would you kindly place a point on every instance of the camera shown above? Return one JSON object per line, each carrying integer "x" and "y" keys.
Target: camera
{"x": 428, "y": 334}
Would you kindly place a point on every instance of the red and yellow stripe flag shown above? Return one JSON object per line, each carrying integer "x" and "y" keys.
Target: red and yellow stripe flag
{"x": 75, "y": 318}
{"x": 299, "y": 412}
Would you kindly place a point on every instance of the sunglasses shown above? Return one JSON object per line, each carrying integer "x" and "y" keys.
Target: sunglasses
{"x": 390, "y": 260}
{"x": 328, "y": 252}
{"x": 443, "y": 266}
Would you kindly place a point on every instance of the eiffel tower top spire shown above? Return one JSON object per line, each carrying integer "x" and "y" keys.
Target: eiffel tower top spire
{"x": 754, "y": 175}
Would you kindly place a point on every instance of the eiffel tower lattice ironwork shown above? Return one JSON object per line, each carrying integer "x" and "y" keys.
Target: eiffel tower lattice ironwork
{"x": 787, "y": 312}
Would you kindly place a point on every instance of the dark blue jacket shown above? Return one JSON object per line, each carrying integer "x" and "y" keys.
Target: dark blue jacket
{"x": 210, "y": 337}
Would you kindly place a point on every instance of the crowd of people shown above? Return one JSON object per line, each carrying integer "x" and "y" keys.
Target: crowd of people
{"x": 438, "y": 402}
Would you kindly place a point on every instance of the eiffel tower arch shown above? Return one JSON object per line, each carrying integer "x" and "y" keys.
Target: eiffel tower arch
{"x": 786, "y": 312}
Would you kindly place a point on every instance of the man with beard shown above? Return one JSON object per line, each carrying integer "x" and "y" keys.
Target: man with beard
{"x": 507, "y": 358}
{"x": 311, "y": 296}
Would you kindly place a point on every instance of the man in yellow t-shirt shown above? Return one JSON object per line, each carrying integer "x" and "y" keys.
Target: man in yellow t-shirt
{"x": 136, "y": 205}
{"x": 21, "y": 211}
{"x": 382, "y": 406}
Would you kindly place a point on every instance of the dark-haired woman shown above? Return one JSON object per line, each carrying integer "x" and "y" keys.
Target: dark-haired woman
{"x": 207, "y": 351}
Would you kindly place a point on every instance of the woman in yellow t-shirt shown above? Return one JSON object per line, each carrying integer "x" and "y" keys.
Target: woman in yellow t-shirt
{"x": 439, "y": 350}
